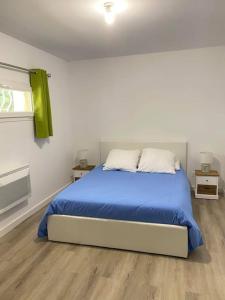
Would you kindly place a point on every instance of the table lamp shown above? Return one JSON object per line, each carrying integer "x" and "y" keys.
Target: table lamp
{"x": 206, "y": 159}
{"x": 82, "y": 155}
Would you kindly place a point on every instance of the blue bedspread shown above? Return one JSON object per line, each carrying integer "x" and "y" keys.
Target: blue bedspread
{"x": 120, "y": 195}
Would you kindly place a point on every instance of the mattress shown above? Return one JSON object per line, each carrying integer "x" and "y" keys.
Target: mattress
{"x": 120, "y": 195}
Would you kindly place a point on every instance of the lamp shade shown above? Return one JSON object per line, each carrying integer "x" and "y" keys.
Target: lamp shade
{"x": 206, "y": 158}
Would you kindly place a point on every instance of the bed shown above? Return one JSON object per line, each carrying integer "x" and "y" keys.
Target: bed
{"x": 145, "y": 212}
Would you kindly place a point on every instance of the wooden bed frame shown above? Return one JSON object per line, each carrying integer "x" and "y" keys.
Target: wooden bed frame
{"x": 136, "y": 236}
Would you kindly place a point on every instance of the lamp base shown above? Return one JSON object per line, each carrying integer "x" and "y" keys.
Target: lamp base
{"x": 205, "y": 168}
{"x": 83, "y": 163}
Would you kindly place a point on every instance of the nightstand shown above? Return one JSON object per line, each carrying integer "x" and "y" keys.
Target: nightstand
{"x": 79, "y": 172}
{"x": 206, "y": 185}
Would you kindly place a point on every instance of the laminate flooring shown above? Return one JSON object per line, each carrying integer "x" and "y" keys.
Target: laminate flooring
{"x": 31, "y": 269}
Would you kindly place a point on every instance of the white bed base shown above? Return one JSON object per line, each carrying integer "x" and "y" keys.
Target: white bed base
{"x": 136, "y": 236}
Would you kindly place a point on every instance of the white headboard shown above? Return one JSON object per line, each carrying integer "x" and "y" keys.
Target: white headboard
{"x": 179, "y": 149}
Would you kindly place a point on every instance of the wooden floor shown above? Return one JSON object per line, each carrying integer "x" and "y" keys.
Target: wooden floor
{"x": 33, "y": 269}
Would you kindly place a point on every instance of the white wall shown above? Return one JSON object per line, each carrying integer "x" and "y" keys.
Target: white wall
{"x": 50, "y": 160}
{"x": 176, "y": 95}
{"x": 166, "y": 96}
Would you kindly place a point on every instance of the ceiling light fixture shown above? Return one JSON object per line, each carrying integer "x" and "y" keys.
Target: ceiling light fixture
{"x": 110, "y": 9}
{"x": 109, "y": 13}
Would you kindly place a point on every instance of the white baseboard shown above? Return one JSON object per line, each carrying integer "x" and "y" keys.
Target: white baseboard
{"x": 30, "y": 212}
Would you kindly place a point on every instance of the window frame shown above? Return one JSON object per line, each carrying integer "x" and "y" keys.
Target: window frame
{"x": 14, "y": 116}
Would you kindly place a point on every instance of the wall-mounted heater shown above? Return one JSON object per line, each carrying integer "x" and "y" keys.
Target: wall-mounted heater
{"x": 14, "y": 188}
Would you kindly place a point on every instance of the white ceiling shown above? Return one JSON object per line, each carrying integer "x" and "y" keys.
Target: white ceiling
{"x": 74, "y": 30}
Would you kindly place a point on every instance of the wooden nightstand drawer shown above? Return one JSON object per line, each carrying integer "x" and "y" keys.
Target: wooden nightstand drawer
{"x": 206, "y": 189}
{"x": 207, "y": 180}
{"x": 78, "y": 172}
{"x": 206, "y": 185}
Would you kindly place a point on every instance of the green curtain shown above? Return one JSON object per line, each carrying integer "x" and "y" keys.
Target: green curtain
{"x": 42, "y": 107}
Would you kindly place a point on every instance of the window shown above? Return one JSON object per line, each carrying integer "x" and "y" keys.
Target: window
{"x": 15, "y": 101}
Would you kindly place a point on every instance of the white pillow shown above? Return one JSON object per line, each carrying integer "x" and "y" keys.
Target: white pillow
{"x": 126, "y": 160}
{"x": 157, "y": 160}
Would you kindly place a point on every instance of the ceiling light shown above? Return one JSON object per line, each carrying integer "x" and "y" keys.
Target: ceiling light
{"x": 109, "y": 12}
{"x": 110, "y": 9}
